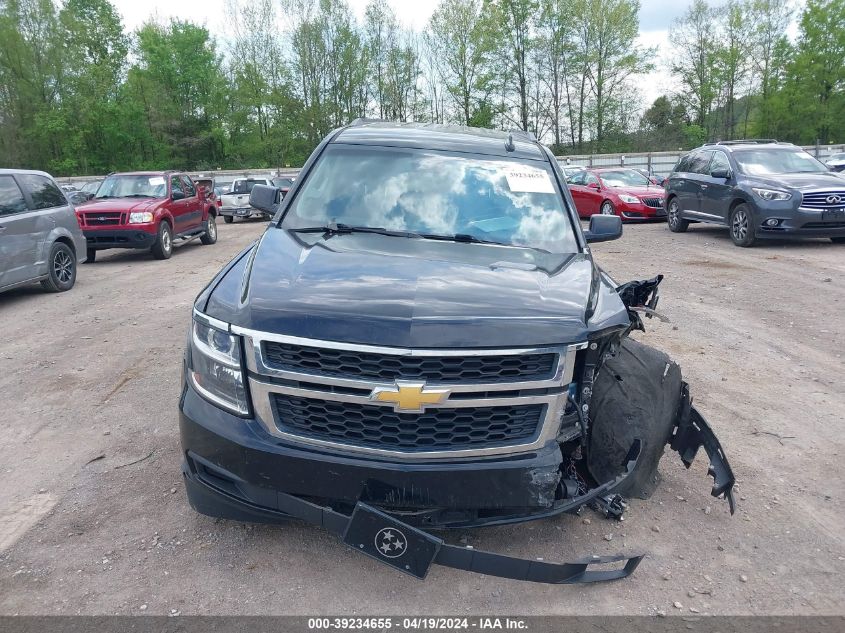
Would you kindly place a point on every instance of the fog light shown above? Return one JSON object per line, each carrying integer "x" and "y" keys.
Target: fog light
{"x": 772, "y": 222}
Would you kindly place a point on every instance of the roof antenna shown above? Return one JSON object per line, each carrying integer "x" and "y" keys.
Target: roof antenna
{"x": 509, "y": 146}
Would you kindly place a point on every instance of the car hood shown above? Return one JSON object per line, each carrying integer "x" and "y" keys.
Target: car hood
{"x": 389, "y": 291}
{"x": 119, "y": 204}
{"x": 655, "y": 191}
{"x": 804, "y": 182}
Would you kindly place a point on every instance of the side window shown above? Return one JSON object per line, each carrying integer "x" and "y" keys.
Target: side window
{"x": 578, "y": 177}
{"x": 591, "y": 179}
{"x": 683, "y": 164}
{"x": 175, "y": 185}
{"x": 11, "y": 198}
{"x": 45, "y": 194}
{"x": 190, "y": 190}
{"x": 700, "y": 162}
{"x": 720, "y": 161}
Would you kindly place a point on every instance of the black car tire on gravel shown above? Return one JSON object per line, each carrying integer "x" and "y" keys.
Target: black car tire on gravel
{"x": 636, "y": 395}
{"x": 675, "y": 223}
{"x": 228, "y": 219}
{"x": 210, "y": 235}
{"x": 163, "y": 247}
{"x": 90, "y": 256}
{"x": 61, "y": 269}
{"x": 741, "y": 226}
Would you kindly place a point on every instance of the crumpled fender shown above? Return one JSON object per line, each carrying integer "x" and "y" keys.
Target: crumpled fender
{"x": 691, "y": 433}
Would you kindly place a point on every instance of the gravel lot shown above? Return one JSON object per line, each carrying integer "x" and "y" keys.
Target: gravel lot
{"x": 94, "y": 520}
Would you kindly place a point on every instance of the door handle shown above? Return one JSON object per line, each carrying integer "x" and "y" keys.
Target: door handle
{"x": 704, "y": 186}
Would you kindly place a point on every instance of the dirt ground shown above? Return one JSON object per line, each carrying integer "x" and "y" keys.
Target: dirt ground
{"x": 94, "y": 520}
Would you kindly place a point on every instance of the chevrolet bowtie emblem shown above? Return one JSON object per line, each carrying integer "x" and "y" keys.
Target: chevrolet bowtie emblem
{"x": 408, "y": 397}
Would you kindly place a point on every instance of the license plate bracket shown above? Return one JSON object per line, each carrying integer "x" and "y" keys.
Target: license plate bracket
{"x": 390, "y": 541}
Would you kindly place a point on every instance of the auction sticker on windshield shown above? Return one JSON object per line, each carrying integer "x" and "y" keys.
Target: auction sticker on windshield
{"x": 157, "y": 180}
{"x": 529, "y": 180}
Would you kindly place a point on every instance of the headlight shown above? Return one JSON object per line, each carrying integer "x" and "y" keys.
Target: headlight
{"x": 772, "y": 194}
{"x": 625, "y": 197}
{"x": 140, "y": 217}
{"x": 216, "y": 368}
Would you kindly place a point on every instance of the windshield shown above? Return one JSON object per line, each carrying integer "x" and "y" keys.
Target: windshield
{"x": 837, "y": 157}
{"x": 764, "y": 162}
{"x": 624, "y": 178}
{"x": 435, "y": 193}
{"x": 133, "y": 187}
{"x": 282, "y": 182}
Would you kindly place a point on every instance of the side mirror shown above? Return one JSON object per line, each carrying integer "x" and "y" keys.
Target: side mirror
{"x": 177, "y": 195}
{"x": 265, "y": 198}
{"x": 604, "y": 228}
{"x": 594, "y": 185}
{"x": 721, "y": 173}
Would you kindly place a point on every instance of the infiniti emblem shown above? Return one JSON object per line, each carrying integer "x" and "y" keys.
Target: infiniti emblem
{"x": 834, "y": 199}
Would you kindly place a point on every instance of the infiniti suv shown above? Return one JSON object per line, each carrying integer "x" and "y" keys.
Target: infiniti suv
{"x": 759, "y": 189}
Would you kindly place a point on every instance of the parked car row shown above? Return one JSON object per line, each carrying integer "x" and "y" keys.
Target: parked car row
{"x": 43, "y": 237}
{"x": 758, "y": 188}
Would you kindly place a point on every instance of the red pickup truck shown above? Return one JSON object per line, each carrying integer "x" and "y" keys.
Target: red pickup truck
{"x": 150, "y": 209}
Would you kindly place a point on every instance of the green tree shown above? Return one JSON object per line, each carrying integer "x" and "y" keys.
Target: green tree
{"x": 692, "y": 37}
{"x": 457, "y": 40}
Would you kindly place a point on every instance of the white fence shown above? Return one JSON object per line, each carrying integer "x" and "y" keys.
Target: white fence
{"x": 657, "y": 162}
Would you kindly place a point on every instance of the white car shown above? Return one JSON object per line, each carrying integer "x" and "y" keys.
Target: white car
{"x": 836, "y": 162}
{"x": 235, "y": 203}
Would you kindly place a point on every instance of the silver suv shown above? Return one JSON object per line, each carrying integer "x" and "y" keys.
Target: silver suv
{"x": 40, "y": 238}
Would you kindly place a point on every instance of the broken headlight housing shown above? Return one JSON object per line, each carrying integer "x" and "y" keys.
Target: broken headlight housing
{"x": 216, "y": 370}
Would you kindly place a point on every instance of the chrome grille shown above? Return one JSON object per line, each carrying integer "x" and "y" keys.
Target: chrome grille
{"x": 389, "y": 367}
{"x": 823, "y": 200}
{"x": 655, "y": 203}
{"x": 370, "y": 425}
{"x": 336, "y": 405}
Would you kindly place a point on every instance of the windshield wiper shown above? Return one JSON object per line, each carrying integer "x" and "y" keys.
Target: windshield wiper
{"x": 333, "y": 228}
{"x": 466, "y": 238}
{"x": 138, "y": 195}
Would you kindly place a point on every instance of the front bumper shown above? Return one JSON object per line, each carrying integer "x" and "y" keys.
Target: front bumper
{"x": 119, "y": 238}
{"x": 642, "y": 211}
{"x": 240, "y": 458}
{"x": 799, "y": 223}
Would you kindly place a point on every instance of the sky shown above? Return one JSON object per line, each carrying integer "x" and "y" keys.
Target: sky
{"x": 655, "y": 18}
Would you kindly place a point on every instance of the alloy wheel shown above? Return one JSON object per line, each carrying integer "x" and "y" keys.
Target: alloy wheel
{"x": 739, "y": 226}
{"x": 63, "y": 266}
{"x": 673, "y": 214}
{"x": 607, "y": 209}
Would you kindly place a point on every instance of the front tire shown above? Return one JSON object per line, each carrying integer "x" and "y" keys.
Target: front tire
{"x": 210, "y": 235}
{"x": 607, "y": 208}
{"x": 636, "y": 396}
{"x": 61, "y": 269}
{"x": 228, "y": 219}
{"x": 673, "y": 217}
{"x": 163, "y": 247}
{"x": 742, "y": 227}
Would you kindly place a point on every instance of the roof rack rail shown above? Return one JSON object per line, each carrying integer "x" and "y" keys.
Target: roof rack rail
{"x": 361, "y": 120}
{"x": 744, "y": 141}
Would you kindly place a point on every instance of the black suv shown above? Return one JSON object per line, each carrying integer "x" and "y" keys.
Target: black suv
{"x": 759, "y": 189}
{"x": 418, "y": 340}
